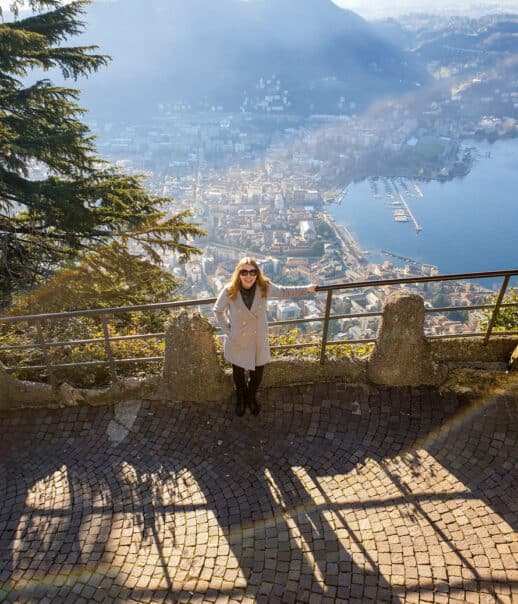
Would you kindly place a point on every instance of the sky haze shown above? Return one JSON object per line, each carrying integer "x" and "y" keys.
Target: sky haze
{"x": 388, "y": 8}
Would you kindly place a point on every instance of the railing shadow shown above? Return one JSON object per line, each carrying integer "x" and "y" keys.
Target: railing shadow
{"x": 478, "y": 446}
{"x": 194, "y": 502}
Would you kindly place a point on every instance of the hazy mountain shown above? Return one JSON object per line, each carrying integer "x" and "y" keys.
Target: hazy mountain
{"x": 388, "y": 9}
{"x": 166, "y": 50}
{"x": 489, "y": 34}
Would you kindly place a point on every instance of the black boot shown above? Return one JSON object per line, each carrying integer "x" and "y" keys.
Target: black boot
{"x": 252, "y": 401}
{"x": 240, "y": 402}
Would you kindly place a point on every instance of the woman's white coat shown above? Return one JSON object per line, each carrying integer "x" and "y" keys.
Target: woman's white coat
{"x": 246, "y": 331}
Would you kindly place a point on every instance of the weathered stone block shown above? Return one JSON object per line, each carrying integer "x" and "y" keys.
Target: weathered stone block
{"x": 289, "y": 371}
{"x": 402, "y": 356}
{"x": 473, "y": 349}
{"x": 191, "y": 369}
{"x": 16, "y": 393}
{"x": 19, "y": 394}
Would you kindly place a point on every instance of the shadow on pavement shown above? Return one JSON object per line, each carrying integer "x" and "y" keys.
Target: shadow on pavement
{"x": 189, "y": 502}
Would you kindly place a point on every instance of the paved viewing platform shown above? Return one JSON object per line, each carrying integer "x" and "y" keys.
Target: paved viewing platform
{"x": 334, "y": 493}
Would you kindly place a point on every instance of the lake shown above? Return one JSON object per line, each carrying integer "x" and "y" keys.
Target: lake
{"x": 469, "y": 224}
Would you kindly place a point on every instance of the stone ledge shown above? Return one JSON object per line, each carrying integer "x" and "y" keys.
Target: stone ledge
{"x": 479, "y": 383}
{"x": 466, "y": 350}
{"x": 291, "y": 371}
{"x": 402, "y": 356}
{"x": 463, "y": 377}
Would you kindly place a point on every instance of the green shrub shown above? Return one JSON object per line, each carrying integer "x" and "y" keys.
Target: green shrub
{"x": 507, "y": 318}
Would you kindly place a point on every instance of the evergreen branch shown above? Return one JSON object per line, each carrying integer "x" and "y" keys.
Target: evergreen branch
{"x": 58, "y": 24}
{"x": 32, "y": 42}
{"x": 35, "y": 5}
{"x": 73, "y": 61}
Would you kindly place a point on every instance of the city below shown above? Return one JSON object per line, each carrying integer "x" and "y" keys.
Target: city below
{"x": 261, "y": 184}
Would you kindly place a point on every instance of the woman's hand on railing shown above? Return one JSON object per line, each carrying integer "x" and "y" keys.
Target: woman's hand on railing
{"x": 312, "y": 288}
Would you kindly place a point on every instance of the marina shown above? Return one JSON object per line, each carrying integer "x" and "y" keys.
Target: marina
{"x": 465, "y": 222}
{"x": 373, "y": 183}
{"x": 388, "y": 188}
{"x": 404, "y": 214}
{"x": 396, "y": 191}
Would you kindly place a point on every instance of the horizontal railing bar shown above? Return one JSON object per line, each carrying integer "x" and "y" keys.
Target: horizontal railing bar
{"x": 144, "y": 336}
{"x": 140, "y": 360}
{"x": 320, "y": 319}
{"x": 356, "y": 315}
{"x": 205, "y": 301}
{"x": 294, "y": 321}
{"x": 60, "y": 366}
{"x": 472, "y": 307}
{"x": 21, "y": 347}
{"x": 290, "y": 346}
{"x": 283, "y": 347}
{"x": 359, "y": 341}
{"x": 451, "y": 308}
{"x": 272, "y": 324}
{"x": 113, "y": 310}
{"x": 470, "y": 334}
{"x": 367, "y": 315}
{"x": 428, "y": 279}
{"x": 85, "y": 363}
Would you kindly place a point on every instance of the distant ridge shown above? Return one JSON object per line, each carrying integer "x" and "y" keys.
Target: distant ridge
{"x": 487, "y": 34}
{"x": 219, "y": 49}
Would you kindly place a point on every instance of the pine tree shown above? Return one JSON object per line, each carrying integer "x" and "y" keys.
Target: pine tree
{"x": 81, "y": 205}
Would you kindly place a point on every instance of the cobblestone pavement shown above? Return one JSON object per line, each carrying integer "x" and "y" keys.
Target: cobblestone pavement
{"x": 334, "y": 493}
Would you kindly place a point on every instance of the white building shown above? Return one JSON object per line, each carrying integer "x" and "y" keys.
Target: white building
{"x": 288, "y": 311}
{"x": 307, "y": 230}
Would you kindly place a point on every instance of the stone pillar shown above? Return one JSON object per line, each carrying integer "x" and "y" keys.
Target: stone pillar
{"x": 191, "y": 370}
{"x": 402, "y": 356}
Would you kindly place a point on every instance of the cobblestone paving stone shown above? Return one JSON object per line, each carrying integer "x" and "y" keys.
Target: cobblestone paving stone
{"x": 334, "y": 493}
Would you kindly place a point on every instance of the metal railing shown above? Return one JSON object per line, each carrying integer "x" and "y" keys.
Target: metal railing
{"x": 45, "y": 345}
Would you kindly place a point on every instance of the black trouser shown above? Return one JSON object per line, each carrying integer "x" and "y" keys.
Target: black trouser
{"x": 238, "y": 373}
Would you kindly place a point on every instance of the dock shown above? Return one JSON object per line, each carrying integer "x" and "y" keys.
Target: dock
{"x": 399, "y": 257}
{"x": 418, "y": 227}
{"x": 408, "y": 211}
{"x": 341, "y": 195}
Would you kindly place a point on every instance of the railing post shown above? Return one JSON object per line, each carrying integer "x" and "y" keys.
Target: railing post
{"x": 40, "y": 338}
{"x": 325, "y": 328}
{"x": 108, "y": 348}
{"x": 496, "y": 309}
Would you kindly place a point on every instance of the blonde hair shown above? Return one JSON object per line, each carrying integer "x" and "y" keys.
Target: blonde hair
{"x": 235, "y": 282}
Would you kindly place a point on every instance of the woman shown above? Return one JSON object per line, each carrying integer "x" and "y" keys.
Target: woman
{"x": 241, "y": 313}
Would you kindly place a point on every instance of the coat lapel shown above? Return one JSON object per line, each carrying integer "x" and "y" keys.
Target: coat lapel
{"x": 256, "y": 303}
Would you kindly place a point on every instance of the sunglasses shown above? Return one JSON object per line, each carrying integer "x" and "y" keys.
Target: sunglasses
{"x": 244, "y": 272}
